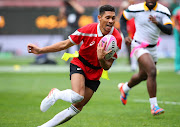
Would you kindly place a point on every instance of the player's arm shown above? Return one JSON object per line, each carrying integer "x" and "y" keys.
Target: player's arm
{"x": 61, "y": 14}
{"x": 105, "y": 64}
{"x": 123, "y": 27}
{"x": 80, "y": 9}
{"x": 167, "y": 29}
{"x": 59, "y": 46}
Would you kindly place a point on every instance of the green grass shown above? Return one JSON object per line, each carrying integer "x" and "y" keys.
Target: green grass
{"x": 21, "y": 94}
{"x": 15, "y": 60}
{"x": 28, "y": 60}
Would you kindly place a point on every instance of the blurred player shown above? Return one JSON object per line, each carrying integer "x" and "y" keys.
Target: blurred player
{"x": 176, "y": 31}
{"x": 150, "y": 18}
{"x": 71, "y": 11}
{"x": 86, "y": 70}
{"x": 130, "y": 30}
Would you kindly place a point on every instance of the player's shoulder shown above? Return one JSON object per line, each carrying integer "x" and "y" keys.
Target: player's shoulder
{"x": 136, "y": 7}
{"x": 163, "y": 9}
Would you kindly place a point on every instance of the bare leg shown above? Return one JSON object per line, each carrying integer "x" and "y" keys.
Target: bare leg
{"x": 78, "y": 83}
{"x": 128, "y": 47}
{"x": 88, "y": 94}
{"x": 147, "y": 70}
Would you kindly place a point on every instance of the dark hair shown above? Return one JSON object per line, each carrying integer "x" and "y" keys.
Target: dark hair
{"x": 104, "y": 8}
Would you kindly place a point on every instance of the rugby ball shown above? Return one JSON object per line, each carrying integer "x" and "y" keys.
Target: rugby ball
{"x": 111, "y": 45}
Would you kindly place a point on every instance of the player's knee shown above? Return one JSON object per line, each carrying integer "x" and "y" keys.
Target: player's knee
{"x": 76, "y": 97}
{"x": 144, "y": 77}
{"x": 152, "y": 73}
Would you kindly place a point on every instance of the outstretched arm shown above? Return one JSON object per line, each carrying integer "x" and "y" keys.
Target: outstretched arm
{"x": 59, "y": 46}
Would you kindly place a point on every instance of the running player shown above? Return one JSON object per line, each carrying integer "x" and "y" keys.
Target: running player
{"x": 86, "y": 70}
{"x": 176, "y": 31}
{"x": 150, "y": 18}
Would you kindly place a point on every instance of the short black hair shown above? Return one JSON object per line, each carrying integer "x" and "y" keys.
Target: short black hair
{"x": 104, "y": 8}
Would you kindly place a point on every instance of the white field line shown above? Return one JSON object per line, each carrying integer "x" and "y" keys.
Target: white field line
{"x": 59, "y": 69}
{"x": 159, "y": 102}
{"x": 35, "y": 68}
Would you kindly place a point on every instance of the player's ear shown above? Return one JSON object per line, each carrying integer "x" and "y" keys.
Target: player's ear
{"x": 99, "y": 17}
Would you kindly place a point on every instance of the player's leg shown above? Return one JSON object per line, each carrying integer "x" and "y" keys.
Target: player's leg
{"x": 70, "y": 112}
{"x": 128, "y": 47}
{"x": 135, "y": 79}
{"x": 149, "y": 67}
{"x": 90, "y": 88}
{"x": 147, "y": 71}
{"x": 78, "y": 88}
{"x": 147, "y": 64}
{"x": 132, "y": 60}
{"x": 67, "y": 95}
{"x": 72, "y": 96}
{"x": 125, "y": 87}
{"x": 88, "y": 94}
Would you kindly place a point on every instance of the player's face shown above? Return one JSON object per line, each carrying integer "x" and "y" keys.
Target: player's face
{"x": 107, "y": 21}
{"x": 151, "y": 3}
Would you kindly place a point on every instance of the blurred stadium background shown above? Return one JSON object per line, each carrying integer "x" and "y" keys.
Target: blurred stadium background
{"x": 35, "y": 21}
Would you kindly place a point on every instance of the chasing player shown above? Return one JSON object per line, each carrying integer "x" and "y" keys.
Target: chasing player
{"x": 150, "y": 18}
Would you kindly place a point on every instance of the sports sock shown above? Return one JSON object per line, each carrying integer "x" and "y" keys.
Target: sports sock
{"x": 126, "y": 88}
{"x": 153, "y": 101}
{"x": 62, "y": 117}
{"x": 68, "y": 95}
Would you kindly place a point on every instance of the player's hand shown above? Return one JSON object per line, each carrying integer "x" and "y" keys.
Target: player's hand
{"x": 153, "y": 19}
{"x": 128, "y": 40}
{"x": 101, "y": 51}
{"x": 33, "y": 49}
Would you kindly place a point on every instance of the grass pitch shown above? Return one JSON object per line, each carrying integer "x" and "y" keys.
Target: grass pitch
{"x": 22, "y": 93}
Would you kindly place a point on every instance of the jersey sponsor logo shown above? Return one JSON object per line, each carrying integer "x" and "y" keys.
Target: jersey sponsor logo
{"x": 92, "y": 43}
{"x": 78, "y": 69}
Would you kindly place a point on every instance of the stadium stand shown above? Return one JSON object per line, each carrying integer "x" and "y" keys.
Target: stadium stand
{"x": 53, "y": 3}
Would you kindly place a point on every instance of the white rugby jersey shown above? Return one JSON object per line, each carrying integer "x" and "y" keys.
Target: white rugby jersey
{"x": 146, "y": 31}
